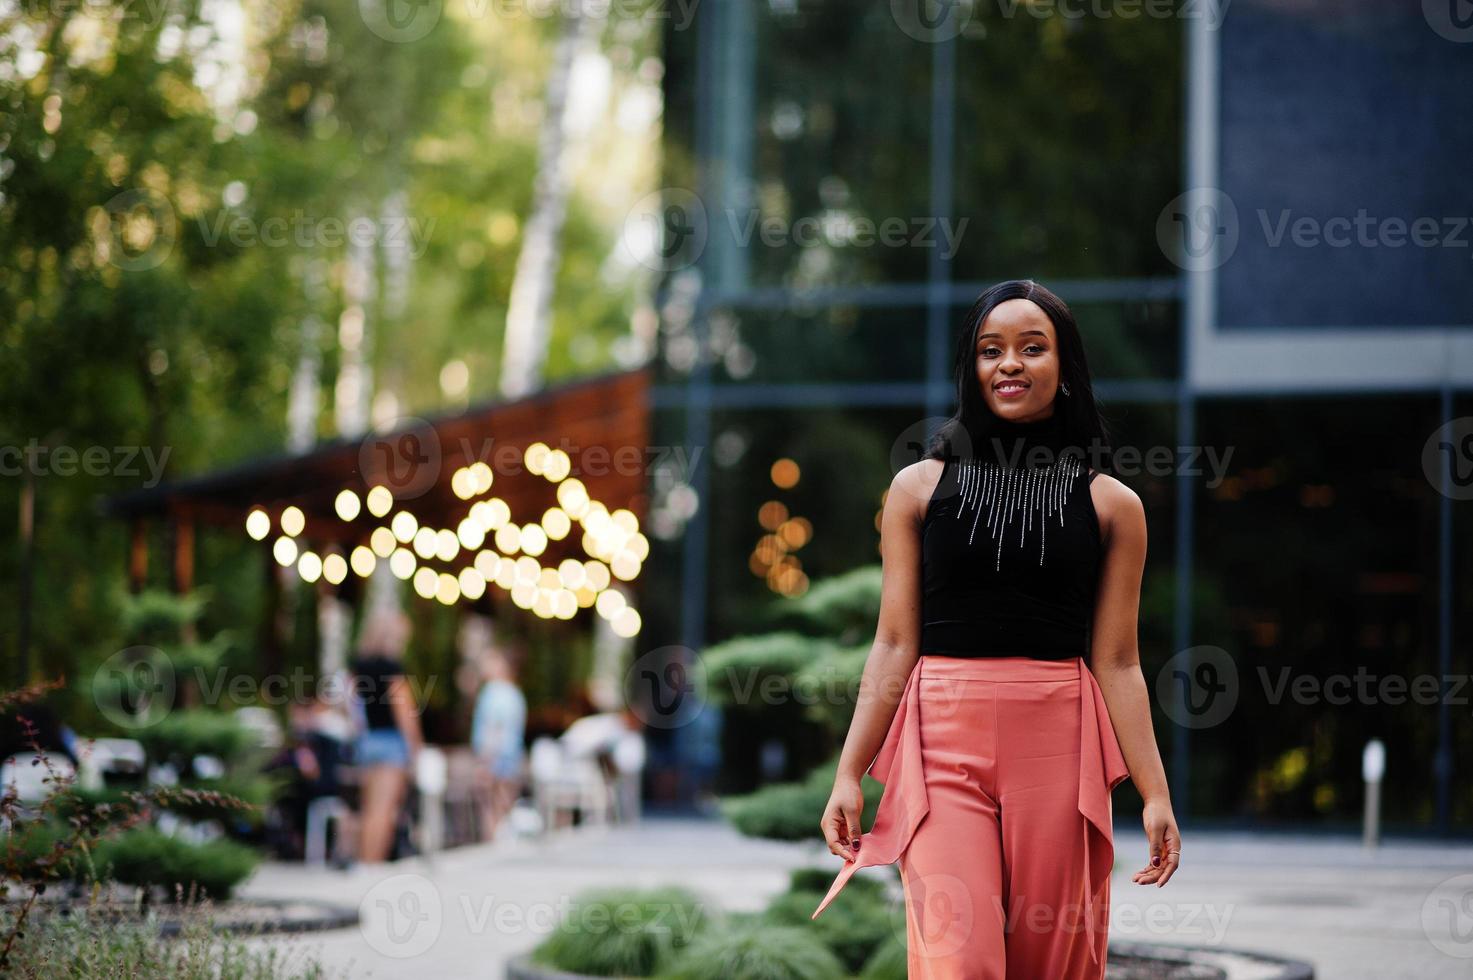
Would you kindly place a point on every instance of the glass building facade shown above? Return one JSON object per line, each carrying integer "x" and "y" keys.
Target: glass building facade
{"x": 843, "y": 178}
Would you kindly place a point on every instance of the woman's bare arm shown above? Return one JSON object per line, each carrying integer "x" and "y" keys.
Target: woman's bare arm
{"x": 894, "y": 651}
{"x": 406, "y": 713}
{"x": 1115, "y": 662}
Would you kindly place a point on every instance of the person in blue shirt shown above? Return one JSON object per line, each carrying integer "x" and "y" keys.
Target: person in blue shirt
{"x": 498, "y": 729}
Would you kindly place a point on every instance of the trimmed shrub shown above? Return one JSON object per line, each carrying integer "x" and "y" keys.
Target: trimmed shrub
{"x": 791, "y": 811}
{"x": 854, "y": 931}
{"x": 620, "y": 932}
{"x": 888, "y": 962}
{"x": 179, "y": 736}
{"x": 758, "y": 952}
{"x": 146, "y": 856}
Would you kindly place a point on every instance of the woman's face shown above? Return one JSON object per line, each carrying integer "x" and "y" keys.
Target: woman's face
{"x": 1017, "y": 360}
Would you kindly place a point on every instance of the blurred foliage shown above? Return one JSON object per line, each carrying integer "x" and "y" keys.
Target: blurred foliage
{"x": 758, "y": 951}
{"x": 738, "y": 669}
{"x": 853, "y": 928}
{"x": 141, "y": 855}
{"x": 791, "y": 811}
{"x": 100, "y": 941}
{"x": 845, "y": 606}
{"x": 171, "y": 179}
{"x": 147, "y": 856}
{"x": 624, "y": 932}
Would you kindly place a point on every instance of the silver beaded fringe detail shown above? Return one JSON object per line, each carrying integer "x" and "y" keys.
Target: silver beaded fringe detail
{"x": 1007, "y": 492}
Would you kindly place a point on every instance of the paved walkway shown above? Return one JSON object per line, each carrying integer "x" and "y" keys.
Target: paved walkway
{"x": 1357, "y": 915}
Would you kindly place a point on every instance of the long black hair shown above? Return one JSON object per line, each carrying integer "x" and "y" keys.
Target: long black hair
{"x": 974, "y": 424}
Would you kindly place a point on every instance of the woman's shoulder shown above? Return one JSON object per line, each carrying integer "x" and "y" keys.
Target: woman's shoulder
{"x": 917, "y": 483}
{"x": 1115, "y": 503}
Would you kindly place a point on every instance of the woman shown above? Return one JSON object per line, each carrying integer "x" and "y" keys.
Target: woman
{"x": 1006, "y": 561}
{"x": 390, "y": 739}
{"x": 498, "y": 729}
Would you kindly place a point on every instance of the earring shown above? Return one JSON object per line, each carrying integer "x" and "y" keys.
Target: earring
{"x": 1064, "y": 389}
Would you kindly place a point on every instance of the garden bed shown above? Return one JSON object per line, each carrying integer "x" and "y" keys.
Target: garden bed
{"x": 245, "y": 917}
{"x": 1128, "y": 961}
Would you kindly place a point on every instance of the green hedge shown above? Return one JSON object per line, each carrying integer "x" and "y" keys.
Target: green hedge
{"x": 140, "y": 856}
{"x": 757, "y": 951}
{"x": 622, "y": 932}
{"x": 146, "y": 856}
{"x": 181, "y": 735}
{"x": 791, "y": 811}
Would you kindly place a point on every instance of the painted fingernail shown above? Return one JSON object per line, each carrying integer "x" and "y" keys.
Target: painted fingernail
{"x": 1155, "y": 860}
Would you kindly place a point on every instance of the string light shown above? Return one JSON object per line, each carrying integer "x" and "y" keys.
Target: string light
{"x": 293, "y": 521}
{"x": 612, "y": 540}
{"x": 258, "y": 524}
{"x": 347, "y": 505}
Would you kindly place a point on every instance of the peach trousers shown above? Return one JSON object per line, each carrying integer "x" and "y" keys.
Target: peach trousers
{"x": 998, "y": 773}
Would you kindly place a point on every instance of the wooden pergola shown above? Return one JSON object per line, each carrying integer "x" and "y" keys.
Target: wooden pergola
{"x": 573, "y": 454}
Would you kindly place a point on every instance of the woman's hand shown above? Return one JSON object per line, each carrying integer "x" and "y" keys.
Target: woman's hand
{"x": 1165, "y": 839}
{"x": 841, "y": 818}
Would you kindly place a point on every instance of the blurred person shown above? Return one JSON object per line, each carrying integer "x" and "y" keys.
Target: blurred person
{"x": 1007, "y": 562}
{"x": 390, "y": 739}
{"x": 312, "y": 757}
{"x": 498, "y": 733}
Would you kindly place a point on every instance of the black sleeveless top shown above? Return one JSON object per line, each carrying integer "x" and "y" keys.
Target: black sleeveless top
{"x": 1010, "y": 548}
